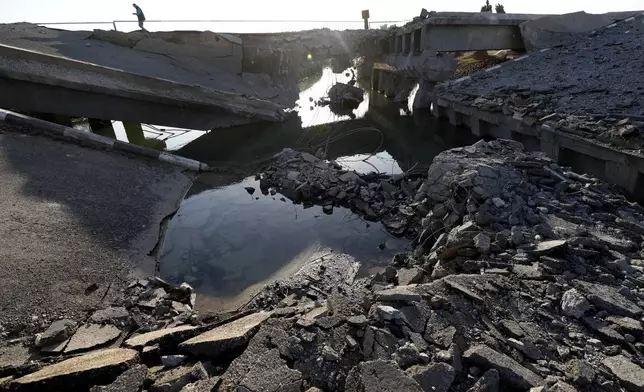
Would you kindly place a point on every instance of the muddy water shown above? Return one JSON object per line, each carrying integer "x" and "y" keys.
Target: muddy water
{"x": 228, "y": 243}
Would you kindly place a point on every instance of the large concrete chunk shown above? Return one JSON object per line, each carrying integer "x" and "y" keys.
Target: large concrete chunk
{"x": 225, "y": 337}
{"x": 100, "y": 367}
{"x": 150, "y": 338}
{"x": 511, "y": 371}
{"x": 57, "y": 332}
{"x": 398, "y": 294}
{"x": 435, "y": 378}
{"x": 90, "y": 336}
{"x": 379, "y": 376}
{"x": 629, "y": 374}
{"x": 110, "y": 315}
{"x": 609, "y": 299}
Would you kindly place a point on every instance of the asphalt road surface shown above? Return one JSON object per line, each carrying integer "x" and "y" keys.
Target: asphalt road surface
{"x": 75, "y": 224}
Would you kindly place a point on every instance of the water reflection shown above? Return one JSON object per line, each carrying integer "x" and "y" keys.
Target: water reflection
{"x": 226, "y": 242}
{"x": 312, "y": 114}
{"x": 229, "y": 243}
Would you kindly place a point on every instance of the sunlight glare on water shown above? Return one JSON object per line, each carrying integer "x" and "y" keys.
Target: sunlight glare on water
{"x": 313, "y": 114}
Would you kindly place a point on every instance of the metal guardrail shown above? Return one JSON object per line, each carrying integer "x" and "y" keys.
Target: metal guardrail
{"x": 235, "y": 26}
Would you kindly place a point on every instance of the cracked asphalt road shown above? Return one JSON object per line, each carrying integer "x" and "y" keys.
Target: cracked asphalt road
{"x": 71, "y": 217}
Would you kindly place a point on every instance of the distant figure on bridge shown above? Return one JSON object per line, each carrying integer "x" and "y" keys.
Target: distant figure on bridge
{"x": 139, "y": 14}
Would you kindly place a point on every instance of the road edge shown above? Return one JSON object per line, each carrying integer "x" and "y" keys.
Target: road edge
{"x": 92, "y": 140}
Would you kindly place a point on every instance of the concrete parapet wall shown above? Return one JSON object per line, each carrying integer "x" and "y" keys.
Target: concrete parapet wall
{"x": 622, "y": 168}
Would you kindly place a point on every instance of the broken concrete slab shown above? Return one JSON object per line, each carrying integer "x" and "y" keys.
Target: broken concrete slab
{"x": 110, "y": 315}
{"x": 99, "y": 367}
{"x": 260, "y": 368}
{"x": 56, "y": 348}
{"x": 129, "y": 381}
{"x": 150, "y": 338}
{"x": 609, "y": 299}
{"x": 603, "y": 330}
{"x": 547, "y": 247}
{"x": 225, "y": 337}
{"x": 398, "y": 294}
{"x": 437, "y": 377}
{"x": 57, "y": 332}
{"x": 379, "y": 376}
{"x": 627, "y": 324}
{"x": 630, "y": 375}
{"x": 91, "y": 335}
{"x": 407, "y": 276}
{"x": 510, "y": 371}
{"x": 13, "y": 355}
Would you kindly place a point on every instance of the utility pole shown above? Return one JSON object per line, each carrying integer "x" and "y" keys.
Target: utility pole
{"x": 365, "y": 16}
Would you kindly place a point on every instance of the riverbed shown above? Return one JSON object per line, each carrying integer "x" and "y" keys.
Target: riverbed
{"x": 228, "y": 241}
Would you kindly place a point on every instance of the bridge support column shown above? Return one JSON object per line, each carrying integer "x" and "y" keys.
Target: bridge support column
{"x": 423, "y": 99}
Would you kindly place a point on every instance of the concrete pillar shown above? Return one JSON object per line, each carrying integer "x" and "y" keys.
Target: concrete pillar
{"x": 399, "y": 44}
{"x": 550, "y": 145}
{"x": 415, "y": 41}
{"x": 134, "y": 133}
{"x": 102, "y": 127}
{"x": 455, "y": 119}
{"x": 375, "y": 79}
{"x": 392, "y": 45}
{"x": 626, "y": 176}
{"x": 424, "y": 38}
{"x": 423, "y": 99}
{"x": 406, "y": 43}
{"x": 478, "y": 127}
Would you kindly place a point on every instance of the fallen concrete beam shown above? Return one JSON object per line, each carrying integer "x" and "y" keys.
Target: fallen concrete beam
{"x": 80, "y": 372}
{"x": 76, "y": 88}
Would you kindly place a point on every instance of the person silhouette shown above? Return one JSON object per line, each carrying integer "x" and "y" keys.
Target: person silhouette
{"x": 139, "y": 14}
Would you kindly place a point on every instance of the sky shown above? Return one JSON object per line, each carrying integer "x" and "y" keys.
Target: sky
{"x": 41, "y": 11}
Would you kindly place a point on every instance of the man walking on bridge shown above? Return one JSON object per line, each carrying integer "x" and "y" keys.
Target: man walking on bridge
{"x": 139, "y": 15}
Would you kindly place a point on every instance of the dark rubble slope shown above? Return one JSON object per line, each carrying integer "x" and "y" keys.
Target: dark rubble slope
{"x": 524, "y": 275}
{"x": 591, "y": 83}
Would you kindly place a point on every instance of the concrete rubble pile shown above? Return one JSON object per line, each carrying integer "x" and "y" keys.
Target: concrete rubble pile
{"x": 525, "y": 276}
{"x": 599, "y": 99}
{"x": 305, "y": 178}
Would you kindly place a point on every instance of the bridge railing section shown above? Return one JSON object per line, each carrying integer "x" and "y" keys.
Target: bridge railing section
{"x": 228, "y": 26}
